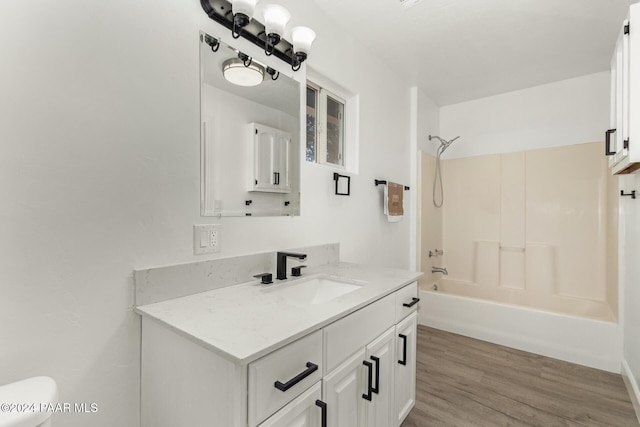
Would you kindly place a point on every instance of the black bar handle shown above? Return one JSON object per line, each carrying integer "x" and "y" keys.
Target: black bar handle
{"x": 404, "y": 349}
{"x": 322, "y": 406}
{"x": 632, "y": 194}
{"x": 413, "y": 302}
{"x": 276, "y": 178}
{"x": 376, "y": 389}
{"x": 311, "y": 368}
{"x": 607, "y": 142}
{"x": 367, "y": 395}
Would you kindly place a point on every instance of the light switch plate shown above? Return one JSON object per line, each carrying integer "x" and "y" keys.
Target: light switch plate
{"x": 206, "y": 238}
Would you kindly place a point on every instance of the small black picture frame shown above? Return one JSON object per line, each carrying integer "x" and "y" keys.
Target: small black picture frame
{"x": 340, "y": 184}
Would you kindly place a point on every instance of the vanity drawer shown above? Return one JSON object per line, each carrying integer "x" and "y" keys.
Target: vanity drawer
{"x": 344, "y": 337}
{"x": 407, "y": 295}
{"x": 281, "y": 376}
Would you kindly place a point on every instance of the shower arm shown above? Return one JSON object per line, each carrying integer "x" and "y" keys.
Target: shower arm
{"x": 442, "y": 141}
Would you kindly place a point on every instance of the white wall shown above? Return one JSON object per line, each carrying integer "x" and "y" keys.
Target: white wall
{"x": 630, "y": 280}
{"x": 567, "y": 112}
{"x": 99, "y": 174}
{"x": 426, "y": 234}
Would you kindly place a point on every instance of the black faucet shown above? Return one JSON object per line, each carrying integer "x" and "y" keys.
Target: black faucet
{"x": 281, "y": 273}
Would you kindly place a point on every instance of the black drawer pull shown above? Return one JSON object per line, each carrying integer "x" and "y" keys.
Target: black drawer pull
{"x": 376, "y": 389}
{"x": 607, "y": 142}
{"x": 413, "y": 302}
{"x": 404, "y": 349}
{"x": 322, "y": 406}
{"x": 367, "y": 395}
{"x": 311, "y": 368}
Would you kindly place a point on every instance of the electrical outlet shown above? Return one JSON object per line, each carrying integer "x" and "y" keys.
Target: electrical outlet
{"x": 206, "y": 238}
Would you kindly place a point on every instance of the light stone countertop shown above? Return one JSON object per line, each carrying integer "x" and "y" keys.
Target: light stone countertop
{"x": 247, "y": 321}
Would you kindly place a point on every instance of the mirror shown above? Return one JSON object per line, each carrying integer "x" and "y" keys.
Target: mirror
{"x": 250, "y": 136}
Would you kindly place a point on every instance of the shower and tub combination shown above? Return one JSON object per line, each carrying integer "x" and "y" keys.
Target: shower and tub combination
{"x": 529, "y": 243}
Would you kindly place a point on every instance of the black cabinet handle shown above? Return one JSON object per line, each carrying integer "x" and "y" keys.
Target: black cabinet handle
{"x": 322, "y": 406}
{"x": 276, "y": 178}
{"x": 404, "y": 349}
{"x": 367, "y": 395}
{"x": 376, "y": 389}
{"x": 413, "y": 302}
{"x": 311, "y": 368}
{"x": 607, "y": 142}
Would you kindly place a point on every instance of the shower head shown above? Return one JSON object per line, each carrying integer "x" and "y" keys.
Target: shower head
{"x": 443, "y": 143}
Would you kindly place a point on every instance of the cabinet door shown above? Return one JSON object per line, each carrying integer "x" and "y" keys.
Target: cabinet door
{"x": 281, "y": 162}
{"x": 381, "y": 354}
{"x": 343, "y": 390}
{"x": 619, "y": 115}
{"x": 304, "y": 411}
{"x": 271, "y": 160}
{"x": 405, "y": 367}
{"x": 264, "y": 144}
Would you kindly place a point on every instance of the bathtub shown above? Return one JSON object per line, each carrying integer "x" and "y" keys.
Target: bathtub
{"x": 587, "y": 341}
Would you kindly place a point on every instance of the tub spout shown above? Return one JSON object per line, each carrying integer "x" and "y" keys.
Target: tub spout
{"x": 439, "y": 270}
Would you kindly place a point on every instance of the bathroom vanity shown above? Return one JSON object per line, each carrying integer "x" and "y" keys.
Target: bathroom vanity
{"x": 335, "y": 347}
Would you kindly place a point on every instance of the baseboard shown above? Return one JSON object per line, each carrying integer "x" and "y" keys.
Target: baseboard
{"x": 632, "y": 386}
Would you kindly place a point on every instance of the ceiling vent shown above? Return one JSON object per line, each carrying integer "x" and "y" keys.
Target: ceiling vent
{"x": 406, "y": 4}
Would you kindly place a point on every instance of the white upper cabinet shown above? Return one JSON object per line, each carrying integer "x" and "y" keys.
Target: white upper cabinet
{"x": 622, "y": 138}
{"x": 270, "y": 159}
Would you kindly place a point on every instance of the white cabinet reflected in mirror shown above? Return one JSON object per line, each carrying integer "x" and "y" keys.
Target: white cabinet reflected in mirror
{"x": 250, "y": 136}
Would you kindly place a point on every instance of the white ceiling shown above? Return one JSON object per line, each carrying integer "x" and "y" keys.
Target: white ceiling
{"x": 458, "y": 50}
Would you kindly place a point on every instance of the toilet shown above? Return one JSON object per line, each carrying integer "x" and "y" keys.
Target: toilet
{"x": 28, "y": 403}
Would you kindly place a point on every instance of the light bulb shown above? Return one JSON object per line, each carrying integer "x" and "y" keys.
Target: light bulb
{"x": 302, "y": 38}
{"x": 276, "y": 18}
{"x": 245, "y": 7}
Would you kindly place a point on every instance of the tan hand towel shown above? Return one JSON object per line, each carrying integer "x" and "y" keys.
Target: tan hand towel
{"x": 394, "y": 194}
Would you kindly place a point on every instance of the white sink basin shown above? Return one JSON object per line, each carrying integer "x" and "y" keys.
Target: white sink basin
{"x": 317, "y": 290}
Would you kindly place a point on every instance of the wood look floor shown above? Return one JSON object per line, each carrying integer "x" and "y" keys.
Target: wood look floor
{"x": 466, "y": 382}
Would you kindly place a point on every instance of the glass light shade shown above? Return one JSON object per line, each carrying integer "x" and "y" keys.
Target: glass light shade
{"x": 235, "y": 72}
{"x": 276, "y": 18}
{"x": 245, "y": 7}
{"x": 302, "y": 38}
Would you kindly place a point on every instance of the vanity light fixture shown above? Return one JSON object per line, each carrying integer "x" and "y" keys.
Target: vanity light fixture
{"x": 242, "y": 11}
{"x": 242, "y": 71}
{"x": 276, "y": 18}
{"x": 237, "y": 16}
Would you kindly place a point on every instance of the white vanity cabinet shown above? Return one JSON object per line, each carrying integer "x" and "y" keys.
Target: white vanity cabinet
{"x": 270, "y": 159}
{"x": 366, "y": 386}
{"x": 345, "y": 374}
{"x": 622, "y": 139}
